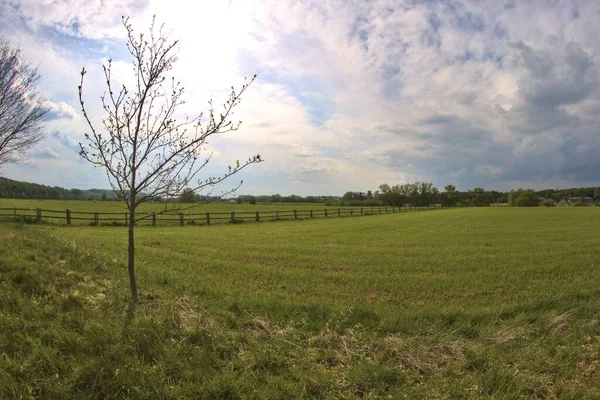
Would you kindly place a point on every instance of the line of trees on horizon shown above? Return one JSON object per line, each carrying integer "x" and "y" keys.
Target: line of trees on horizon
{"x": 277, "y": 198}
{"x": 423, "y": 194}
{"x": 550, "y": 198}
{"x": 12, "y": 189}
{"x": 415, "y": 194}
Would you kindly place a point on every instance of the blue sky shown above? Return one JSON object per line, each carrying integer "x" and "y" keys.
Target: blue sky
{"x": 350, "y": 94}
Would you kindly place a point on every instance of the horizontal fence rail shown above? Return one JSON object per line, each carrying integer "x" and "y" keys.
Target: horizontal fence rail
{"x": 69, "y": 217}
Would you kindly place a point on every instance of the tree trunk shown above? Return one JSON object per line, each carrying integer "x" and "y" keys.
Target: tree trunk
{"x": 131, "y": 256}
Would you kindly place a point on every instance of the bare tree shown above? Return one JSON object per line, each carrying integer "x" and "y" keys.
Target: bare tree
{"x": 144, "y": 150}
{"x": 22, "y": 108}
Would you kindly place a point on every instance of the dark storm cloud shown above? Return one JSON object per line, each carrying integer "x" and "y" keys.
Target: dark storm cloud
{"x": 552, "y": 131}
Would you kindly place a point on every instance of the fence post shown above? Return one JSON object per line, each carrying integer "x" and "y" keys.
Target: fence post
{"x": 180, "y": 219}
{"x": 295, "y": 214}
{"x": 361, "y": 211}
{"x": 68, "y": 217}
{"x": 257, "y": 217}
{"x": 386, "y": 210}
{"x": 15, "y": 210}
{"x": 311, "y": 213}
{"x": 38, "y": 215}
{"x": 233, "y": 216}
{"x": 207, "y": 218}
{"x": 276, "y": 215}
{"x": 352, "y": 211}
{"x": 126, "y": 219}
{"x": 96, "y": 218}
{"x": 325, "y": 212}
{"x": 339, "y": 212}
{"x": 153, "y": 218}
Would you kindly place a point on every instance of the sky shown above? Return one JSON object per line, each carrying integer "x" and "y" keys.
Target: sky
{"x": 350, "y": 94}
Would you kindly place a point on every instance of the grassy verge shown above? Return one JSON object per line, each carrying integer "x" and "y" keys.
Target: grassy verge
{"x": 495, "y": 303}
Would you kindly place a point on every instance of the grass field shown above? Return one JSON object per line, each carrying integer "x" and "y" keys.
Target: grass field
{"x": 114, "y": 212}
{"x": 117, "y": 206}
{"x": 496, "y": 303}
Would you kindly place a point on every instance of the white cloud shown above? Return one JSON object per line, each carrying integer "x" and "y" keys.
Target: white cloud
{"x": 46, "y": 152}
{"x": 91, "y": 19}
{"x": 60, "y": 110}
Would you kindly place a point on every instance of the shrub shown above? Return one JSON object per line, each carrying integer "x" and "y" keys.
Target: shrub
{"x": 548, "y": 203}
{"x": 526, "y": 198}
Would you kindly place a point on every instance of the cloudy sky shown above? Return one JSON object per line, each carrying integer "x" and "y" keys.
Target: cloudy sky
{"x": 350, "y": 94}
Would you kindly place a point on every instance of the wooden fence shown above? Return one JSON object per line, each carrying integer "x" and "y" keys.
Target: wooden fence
{"x": 69, "y": 217}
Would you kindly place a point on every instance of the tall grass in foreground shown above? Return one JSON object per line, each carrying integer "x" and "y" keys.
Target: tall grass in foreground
{"x": 470, "y": 303}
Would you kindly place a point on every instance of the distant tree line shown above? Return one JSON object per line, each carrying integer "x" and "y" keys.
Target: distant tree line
{"x": 24, "y": 190}
{"x": 551, "y": 197}
{"x": 423, "y": 194}
{"x": 188, "y": 195}
{"x": 277, "y": 198}
{"x": 559, "y": 194}
{"x": 414, "y": 194}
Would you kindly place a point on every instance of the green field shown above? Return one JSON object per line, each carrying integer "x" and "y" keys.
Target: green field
{"x": 114, "y": 213}
{"x": 119, "y": 206}
{"x": 496, "y": 303}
